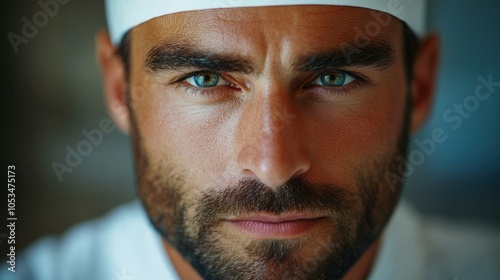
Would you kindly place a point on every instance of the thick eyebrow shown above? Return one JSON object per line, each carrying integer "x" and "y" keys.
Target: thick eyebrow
{"x": 175, "y": 56}
{"x": 377, "y": 55}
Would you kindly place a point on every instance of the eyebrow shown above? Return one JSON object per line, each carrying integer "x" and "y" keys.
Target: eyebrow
{"x": 378, "y": 55}
{"x": 175, "y": 56}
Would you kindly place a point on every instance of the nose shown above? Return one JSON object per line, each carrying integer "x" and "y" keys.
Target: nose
{"x": 272, "y": 139}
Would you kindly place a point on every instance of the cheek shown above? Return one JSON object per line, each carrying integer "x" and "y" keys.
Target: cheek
{"x": 359, "y": 136}
{"x": 190, "y": 138}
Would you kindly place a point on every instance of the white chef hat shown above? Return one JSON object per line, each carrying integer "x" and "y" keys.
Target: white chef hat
{"x": 122, "y": 15}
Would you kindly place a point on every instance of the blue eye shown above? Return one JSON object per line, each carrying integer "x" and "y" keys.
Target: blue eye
{"x": 333, "y": 79}
{"x": 206, "y": 79}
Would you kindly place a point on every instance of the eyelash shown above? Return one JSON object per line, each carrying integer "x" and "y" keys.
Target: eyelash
{"x": 359, "y": 80}
{"x": 209, "y": 91}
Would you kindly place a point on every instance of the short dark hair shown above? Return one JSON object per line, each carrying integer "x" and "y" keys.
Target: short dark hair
{"x": 410, "y": 47}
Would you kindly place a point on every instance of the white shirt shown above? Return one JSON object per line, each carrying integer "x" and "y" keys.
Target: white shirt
{"x": 124, "y": 246}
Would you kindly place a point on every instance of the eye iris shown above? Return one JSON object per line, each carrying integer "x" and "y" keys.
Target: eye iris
{"x": 206, "y": 79}
{"x": 333, "y": 79}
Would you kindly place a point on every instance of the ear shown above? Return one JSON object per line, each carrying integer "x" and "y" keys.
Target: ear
{"x": 424, "y": 80}
{"x": 114, "y": 80}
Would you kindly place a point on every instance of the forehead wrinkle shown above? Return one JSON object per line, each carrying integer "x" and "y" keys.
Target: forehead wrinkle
{"x": 229, "y": 28}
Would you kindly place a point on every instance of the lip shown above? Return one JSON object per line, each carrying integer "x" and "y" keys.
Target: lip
{"x": 276, "y": 226}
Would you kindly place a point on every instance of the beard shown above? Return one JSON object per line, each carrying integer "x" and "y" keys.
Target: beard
{"x": 193, "y": 225}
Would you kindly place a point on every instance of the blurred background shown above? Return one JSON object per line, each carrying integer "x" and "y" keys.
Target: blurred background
{"x": 51, "y": 92}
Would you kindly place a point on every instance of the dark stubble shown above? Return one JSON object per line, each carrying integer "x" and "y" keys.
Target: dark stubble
{"x": 193, "y": 226}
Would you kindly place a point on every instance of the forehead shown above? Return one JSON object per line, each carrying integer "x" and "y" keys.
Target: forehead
{"x": 258, "y": 31}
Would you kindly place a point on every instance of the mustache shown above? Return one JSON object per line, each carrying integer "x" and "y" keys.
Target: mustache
{"x": 251, "y": 196}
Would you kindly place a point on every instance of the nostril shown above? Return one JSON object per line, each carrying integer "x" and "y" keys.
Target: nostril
{"x": 274, "y": 170}
{"x": 303, "y": 169}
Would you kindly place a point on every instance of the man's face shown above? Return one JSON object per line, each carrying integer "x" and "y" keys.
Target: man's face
{"x": 262, "y": 136}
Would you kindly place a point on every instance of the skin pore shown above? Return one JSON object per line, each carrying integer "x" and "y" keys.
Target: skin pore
{"x": 284, "y": 127}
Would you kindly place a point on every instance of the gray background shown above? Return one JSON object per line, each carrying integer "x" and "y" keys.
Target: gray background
{"x": 51, "y": 91}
